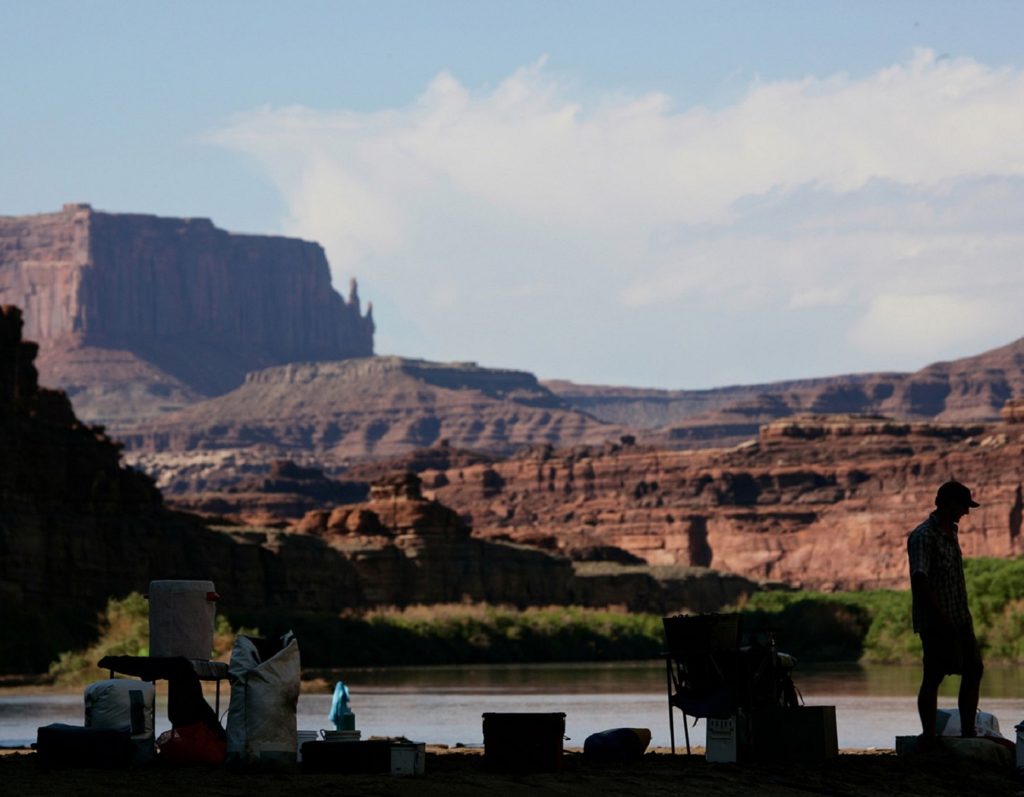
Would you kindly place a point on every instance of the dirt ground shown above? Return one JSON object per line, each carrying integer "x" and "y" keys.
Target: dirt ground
{"x": 451, "y": 773}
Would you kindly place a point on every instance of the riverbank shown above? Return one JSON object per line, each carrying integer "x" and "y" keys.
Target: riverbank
{"x": 451, "y": 773}
{"x": 869, "y": 627}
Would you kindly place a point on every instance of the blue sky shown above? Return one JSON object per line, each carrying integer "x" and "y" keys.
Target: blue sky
{"x": 664, "y": 194}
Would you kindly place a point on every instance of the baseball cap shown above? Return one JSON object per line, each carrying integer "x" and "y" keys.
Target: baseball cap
{"x": 953, "y": 492}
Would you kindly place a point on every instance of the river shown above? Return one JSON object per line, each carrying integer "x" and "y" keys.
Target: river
{"x": 443, "y": 705}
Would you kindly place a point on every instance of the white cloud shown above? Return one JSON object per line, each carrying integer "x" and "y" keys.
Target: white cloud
{"x": 877, "y": 194}
{"x": 912, "y": 323}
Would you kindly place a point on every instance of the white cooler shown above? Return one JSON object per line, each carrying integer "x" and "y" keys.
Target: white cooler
{"x": 181, "y": 618}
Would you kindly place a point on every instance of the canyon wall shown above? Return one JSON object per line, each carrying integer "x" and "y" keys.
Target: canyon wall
{"x": 77, "y": 527}
{"x": 823, "y": 503}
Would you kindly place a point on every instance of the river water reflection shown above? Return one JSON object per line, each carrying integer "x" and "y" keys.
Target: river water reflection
{"x": 442, "y": 705}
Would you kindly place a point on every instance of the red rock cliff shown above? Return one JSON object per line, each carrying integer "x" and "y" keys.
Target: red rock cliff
{"x": 823, "y": 503}
{"x": 198, "y": 303}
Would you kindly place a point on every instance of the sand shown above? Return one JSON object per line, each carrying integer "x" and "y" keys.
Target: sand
{"x": 450, "y": 773}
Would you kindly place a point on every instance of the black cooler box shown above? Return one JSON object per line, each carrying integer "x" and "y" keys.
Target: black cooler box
{"x": 60, "y": 745}
{"x": 526, "y": 742}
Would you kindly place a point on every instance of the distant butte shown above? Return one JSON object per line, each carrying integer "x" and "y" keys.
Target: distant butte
{"x": 136, "y": 315}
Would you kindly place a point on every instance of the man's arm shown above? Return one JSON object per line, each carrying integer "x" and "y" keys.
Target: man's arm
{"x": 920, "y": 554}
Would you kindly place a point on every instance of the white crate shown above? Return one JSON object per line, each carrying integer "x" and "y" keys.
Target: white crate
{"x": 408, "y": 759}
{"x": 722, "y": 742}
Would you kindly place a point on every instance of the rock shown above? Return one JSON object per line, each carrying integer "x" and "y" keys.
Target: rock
{"x": 78, "y": 527}
{"x": 1013, "y": 410}
{"x": 823, "y": 502}
{"x": 972, "y": 389}
{"x": 373, "y": 408}
{"x": 286, "y": 493}
{"x": 172, "y": 310}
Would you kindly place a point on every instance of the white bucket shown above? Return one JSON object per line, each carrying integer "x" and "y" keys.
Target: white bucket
{"x": 181, "y": 618}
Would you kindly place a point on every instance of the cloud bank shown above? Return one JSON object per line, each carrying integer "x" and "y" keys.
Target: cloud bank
{"x": 814, "y": 226}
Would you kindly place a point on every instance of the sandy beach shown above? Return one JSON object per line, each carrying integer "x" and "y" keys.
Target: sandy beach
{"x": 452, "y": 772}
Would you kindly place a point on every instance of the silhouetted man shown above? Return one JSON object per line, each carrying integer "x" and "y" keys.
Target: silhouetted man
{"x": 941, "y": 615}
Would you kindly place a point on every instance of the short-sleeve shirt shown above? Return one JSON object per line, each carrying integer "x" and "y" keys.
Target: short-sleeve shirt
{"x": 938, "y": 556}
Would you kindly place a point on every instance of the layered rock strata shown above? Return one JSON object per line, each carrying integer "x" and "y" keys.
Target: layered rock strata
{"x": 408, "y": 550}
{"x": 173, "y": 309}
{"x": 377, "y": 407}
{"x": 416, "y": 550}
{"x": 334, "y": 413}
{"x": 971, "y": 389}
{"x": 285, "y": 493}
{"x": 823, "y": 503}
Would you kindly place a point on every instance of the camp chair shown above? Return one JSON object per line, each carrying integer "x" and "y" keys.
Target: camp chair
{"x": 702, "y": 668}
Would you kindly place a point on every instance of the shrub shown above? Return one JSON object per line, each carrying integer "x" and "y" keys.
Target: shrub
{"x": 876, "y": 625}
{"x": 815, "y": 627}
{"x": 123, "y": 630}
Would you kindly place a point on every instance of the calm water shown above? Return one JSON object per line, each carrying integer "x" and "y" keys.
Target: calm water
{"x": 443, "y": 704}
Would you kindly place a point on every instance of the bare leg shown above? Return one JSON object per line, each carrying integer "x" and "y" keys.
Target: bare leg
{"x": 970, "y": 683}
{"x": 927, "y": 702}
{"x": 967, "y": 702}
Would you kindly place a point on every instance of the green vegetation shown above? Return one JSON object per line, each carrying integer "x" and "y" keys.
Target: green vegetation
{"x": 838, "y": 626}
{"x": 996, "y": 590}
{"x": 123, "y": 631}
{"x": 471, "y": 634}
{"x": 415, "y": 635}
{"x": 815, "y": 627}
{"x": 875, "y": 626}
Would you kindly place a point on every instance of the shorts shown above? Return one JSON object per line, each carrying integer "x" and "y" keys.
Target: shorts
{"x": 951, "y": 651}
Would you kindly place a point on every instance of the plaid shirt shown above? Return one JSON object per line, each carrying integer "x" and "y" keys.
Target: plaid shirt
{"x": 937, "y": 555}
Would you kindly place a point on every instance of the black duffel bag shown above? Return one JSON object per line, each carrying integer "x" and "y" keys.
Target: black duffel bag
{"x": 61, "y": 746}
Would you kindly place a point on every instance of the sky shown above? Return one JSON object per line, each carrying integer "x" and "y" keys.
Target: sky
{"x": 661, "y": 194}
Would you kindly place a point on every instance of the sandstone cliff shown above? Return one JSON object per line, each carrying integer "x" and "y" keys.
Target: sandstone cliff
{"x": 131, "y": 307}
{"x": 823, "y": 503}
{"x": 411, "y": 549}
